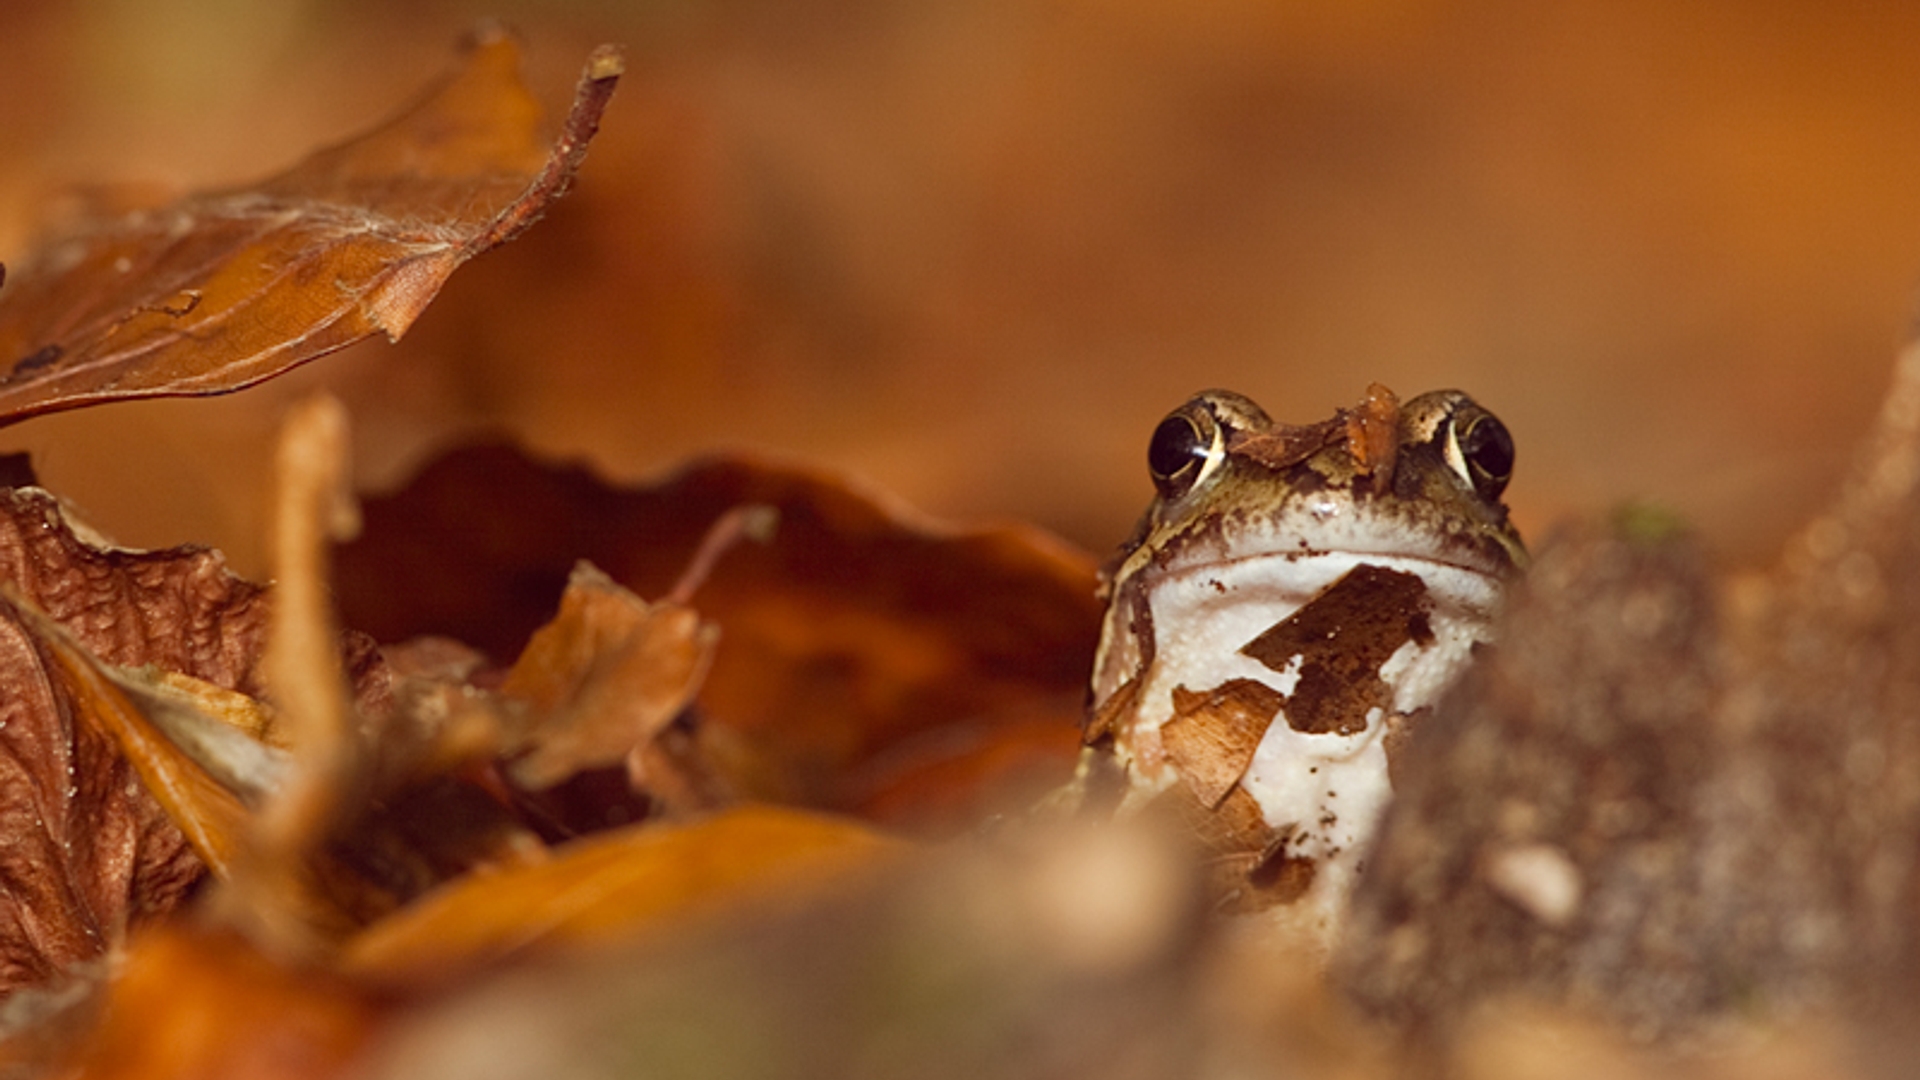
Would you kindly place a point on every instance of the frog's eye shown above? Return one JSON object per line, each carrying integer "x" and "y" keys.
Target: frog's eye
{"x": 1481, "y": 451}
{"x": 1184, "y": 449}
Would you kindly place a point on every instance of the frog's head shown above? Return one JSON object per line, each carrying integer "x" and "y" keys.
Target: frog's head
{"x": 1291, "y": 597}
{"x": 1419, "y": 481}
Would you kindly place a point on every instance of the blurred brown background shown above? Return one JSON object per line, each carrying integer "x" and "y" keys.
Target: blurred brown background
{"x": 973, "y": 249}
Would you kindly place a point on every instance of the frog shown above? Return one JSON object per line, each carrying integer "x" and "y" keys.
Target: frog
{"x": 1295, "y": 599}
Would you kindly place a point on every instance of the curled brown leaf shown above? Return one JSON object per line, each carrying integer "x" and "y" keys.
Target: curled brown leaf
{"x": 868, "y": 660}
{"x": 224, "y": 289}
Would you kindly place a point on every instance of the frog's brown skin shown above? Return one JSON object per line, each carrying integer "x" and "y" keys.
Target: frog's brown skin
{"x": 1292, "y": 596}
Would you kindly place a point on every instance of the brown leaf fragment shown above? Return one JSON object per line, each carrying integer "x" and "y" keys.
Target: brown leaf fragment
{"x": 1373, "y": 435}
{"x": 1286, "y": 444}
{"x": 224, "y": 289}
{"x": 1213, "y": 734}
{"x": 604, "y": 678}
{"x": 1339, "y": 639}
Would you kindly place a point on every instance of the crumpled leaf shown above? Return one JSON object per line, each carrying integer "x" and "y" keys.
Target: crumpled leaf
{"x": 604, "y": 677}
{"x": 88, "y": 850}
{"x": 227, "y": 288}
{"x": 178, "y": 610}
{"x": 868, "y": 660}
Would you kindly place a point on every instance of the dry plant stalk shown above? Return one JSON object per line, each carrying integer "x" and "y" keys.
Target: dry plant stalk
{"x": 313, "y": 508}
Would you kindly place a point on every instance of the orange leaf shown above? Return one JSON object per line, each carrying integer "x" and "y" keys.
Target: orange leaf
{"x": 224, "y": 289}
{"x": 213, "y": 819}
{"x": 604, "y": 677}
{"x": 618, "y": 885}
{"x": 191, "y": 1004}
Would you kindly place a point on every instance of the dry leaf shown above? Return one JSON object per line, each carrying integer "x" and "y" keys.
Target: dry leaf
{"x": 618, "y": 885}
{"x": 1211, "y": 736}
{"x": 860, "y": 646}
{"x": 350, "y": 832}
{"x": 603, "y": 678}
{"x": 89, "y": 849}
{"x": 191, "y": 1005}
{"x": 225, "y": 289}
{"x": 177, "y": 610}
{"x": 117, "y": 668}
{"x": 208, "y": 807}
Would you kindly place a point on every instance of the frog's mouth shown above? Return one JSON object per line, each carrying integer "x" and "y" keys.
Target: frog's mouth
{"x": 1327, "y": 527}
{"x": 1471, "y": 589}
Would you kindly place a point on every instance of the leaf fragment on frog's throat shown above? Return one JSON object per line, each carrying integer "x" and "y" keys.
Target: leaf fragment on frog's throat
{"x": 223, "y": 289}
{"x": 1338, "y": 642}
{"x": 1212, "y": 736}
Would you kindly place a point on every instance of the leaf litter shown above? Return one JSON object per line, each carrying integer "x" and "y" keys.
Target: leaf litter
{"x": 671, "y": 834}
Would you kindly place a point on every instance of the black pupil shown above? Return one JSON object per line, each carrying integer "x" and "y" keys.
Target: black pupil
{"x": 1489, "y": 449}
{"x": 1176, "y": 444}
